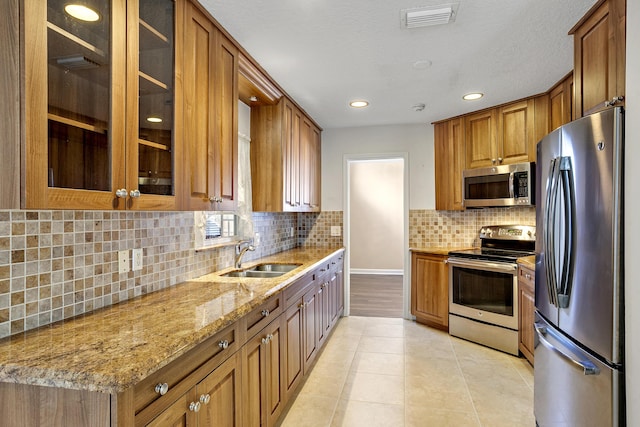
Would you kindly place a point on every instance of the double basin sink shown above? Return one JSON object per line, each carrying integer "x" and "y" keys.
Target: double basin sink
{"x": 263, "y": 271}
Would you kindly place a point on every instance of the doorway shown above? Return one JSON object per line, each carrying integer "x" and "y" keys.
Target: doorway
{"x": 376, "y": 235}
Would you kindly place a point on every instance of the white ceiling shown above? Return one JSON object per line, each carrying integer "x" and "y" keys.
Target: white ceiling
{"x": 325, "y": 53}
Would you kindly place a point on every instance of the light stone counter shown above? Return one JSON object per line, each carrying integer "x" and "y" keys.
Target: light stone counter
{"x": 529, "y": 262}
{"x": 436, "y": 250}
{"x": 112, "y": 349}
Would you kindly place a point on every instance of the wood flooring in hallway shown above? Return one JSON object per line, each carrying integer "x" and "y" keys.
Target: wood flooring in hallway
{"x": 375, "y": 295}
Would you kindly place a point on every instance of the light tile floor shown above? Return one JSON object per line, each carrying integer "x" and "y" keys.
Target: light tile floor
{"x": 392, "y": 373}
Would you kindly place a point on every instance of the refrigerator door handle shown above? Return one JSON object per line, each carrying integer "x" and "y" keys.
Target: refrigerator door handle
{"x": 549, "y": 235}
{"x": 568, "y": 191}
{"x": 587, "y": 366}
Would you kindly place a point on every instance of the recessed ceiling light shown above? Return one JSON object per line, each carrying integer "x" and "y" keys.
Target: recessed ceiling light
{"x": 154, "y": 119}
{"x": 421, "y": 64}
{"x": 473, "y": 96}
{"x": 359, "y": 104}
{"x": 82, "y": 12}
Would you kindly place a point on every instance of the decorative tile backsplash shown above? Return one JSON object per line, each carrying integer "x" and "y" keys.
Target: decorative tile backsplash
{"x": 58, "y": 264}
{"x": 430, "y": 228}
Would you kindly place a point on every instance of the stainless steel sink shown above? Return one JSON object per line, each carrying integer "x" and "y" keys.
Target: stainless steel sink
{"x": 256, "y": 274}
{"x": 263, "y": 271}
{"x": 283, "y": 268}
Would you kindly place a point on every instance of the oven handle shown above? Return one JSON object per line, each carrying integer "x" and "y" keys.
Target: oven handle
{"x": 483, "y": 265}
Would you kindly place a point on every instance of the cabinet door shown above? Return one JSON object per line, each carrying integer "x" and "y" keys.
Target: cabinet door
{"x": 199, "y": 104}
{"x": 309, "y": 166}
{"x": 449, "y": 163}
{"x": 599, "y": 57}
{"x": 340, "y": 285}
{"x": 220, "y": 395}
{"x": 310, "y": 323}
{"x": 74, "y": 101}
{"x": 515, "y": 136}
{"x": 561, "y": 103}
{"x": 430, "y": 289}
{"x": 480, "y": 139}
{"x": 262, "y": 371}
{"x": 179, "y": 414}
{"x": 291, "y": 156}
{"x": 526, "y": 292}
{"x": 226, "y": 143}
{"x": 293, "y": 348}
{"x": 153, "y": 109}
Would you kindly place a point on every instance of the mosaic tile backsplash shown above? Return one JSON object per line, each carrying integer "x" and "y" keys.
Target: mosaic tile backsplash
{"x": 58, "y": 264}
{"x": 430, "y": 228}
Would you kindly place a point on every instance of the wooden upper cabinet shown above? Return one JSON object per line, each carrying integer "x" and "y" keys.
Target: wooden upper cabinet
{"x": 516, "y": 132}
{"x": 88, "y": 142}
{"x": 210, "y": 107}
{"x": 285, "y": 159}
{"x": 74, "y": 107}
{"x": 480, "y": 139}
{"x": 599, "y": 57}
{"x": 154, "y": 104}
{"x": 561, "y": 103}
{"x": 449, "y": 163}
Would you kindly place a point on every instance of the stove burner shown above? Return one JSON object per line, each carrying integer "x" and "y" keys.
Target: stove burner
{"x": 505, "y": 243}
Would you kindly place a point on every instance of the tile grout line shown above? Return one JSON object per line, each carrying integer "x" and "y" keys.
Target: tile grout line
{"x": 466, "y": 385}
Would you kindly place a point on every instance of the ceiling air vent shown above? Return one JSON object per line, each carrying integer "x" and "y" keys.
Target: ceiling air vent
{"x": 429, "y": 15}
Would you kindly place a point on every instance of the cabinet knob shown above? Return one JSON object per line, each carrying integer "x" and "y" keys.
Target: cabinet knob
{"x": 215, "y": 199}
{"x": 527, "y": 275}
{"x": 265, "y": 313}
{"x": 205, "y": 398}
{"x": 194, "y": 406}
{"x": 265, "y": 340}
{"x": 301, "y": 306}
{"x": 121, "y": 193}
{"x": 162, "y": 388}
{"x": 223, "y": 344}
{"x": 500, "y": 159}
{"x": 134, "y": 194}
{"x": 614, "y": 101}
{"x": 493, "y": 161}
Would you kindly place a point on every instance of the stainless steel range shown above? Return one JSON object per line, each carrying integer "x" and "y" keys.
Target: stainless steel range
{"x": 483, "y": 286}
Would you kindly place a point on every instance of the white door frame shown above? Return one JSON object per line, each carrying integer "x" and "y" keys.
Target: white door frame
{"x": 347, "y": 160}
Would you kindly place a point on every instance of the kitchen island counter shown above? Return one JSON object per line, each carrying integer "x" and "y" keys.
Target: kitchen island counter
{"x": 113, "y": 348}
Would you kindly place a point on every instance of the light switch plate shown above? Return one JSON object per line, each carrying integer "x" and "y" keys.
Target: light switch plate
{"x": 256, "y": 239}
{"x": 136, "y": 259}
{"x": 123, "y": 261}
{"x": 336, "y": 230}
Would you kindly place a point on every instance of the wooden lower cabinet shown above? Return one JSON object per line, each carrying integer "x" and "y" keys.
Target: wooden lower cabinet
{"x": 263, "y": 376}
{"x": 430, "y": 289}
{"x": 526, "y": 299}
{"x": 238, "y": 377}
{"x": 216, "y": 400}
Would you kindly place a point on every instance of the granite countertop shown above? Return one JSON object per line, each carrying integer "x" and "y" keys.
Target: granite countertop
{"x": 529, "y": 262}
{"x": 112, "y": 349}
{"x": 437, "y": 250}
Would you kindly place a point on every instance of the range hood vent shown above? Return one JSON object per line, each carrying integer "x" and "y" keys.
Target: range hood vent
{"x": 429, "y": 15}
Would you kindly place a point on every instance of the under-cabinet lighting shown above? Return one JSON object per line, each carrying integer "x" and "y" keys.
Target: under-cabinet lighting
{"x": 82, "y": 12}
{"x": 154, "y": 119}
{"x": 473, "y": 96}
{"x": 359, "y": 104}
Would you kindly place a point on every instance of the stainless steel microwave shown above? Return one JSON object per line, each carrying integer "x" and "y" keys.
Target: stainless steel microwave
{"x": 506, "y": 185}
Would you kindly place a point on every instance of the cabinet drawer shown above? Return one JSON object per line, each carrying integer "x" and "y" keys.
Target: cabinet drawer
{"x": 527, "y": 278}
{"x": 294, "y": 292}
{"x": 176, "y": 374}
{"x": 260, "y": 316}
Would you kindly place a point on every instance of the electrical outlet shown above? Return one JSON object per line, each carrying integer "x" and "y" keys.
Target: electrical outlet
{"x": 123, "y": 261}
{"x": 136, "y": 259}
{"x": 256, "y": 239}
{"x": 292, "y": 232}
{"x": 336, "y": 230}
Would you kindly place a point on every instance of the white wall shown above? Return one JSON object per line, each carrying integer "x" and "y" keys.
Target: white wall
{"x": 632, "y": 207}
{"x": 376, "y": 211}
{"x": 416, "y": 140}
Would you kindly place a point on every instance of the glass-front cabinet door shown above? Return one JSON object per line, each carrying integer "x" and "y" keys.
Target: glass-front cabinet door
{"x": 75, "y": 97}
{"x": 151, "y": 104}
{"x": 99, "y": 104}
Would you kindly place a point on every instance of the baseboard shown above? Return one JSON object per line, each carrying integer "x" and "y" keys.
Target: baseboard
{"x": 376, "y": 271}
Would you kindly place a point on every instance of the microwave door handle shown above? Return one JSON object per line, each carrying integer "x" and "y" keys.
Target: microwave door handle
{"x": 512, "y": 190}
{"x": 568, "y": 191}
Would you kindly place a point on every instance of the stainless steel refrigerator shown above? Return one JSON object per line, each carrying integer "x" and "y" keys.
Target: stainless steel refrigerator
{"x": 579, "y": 346}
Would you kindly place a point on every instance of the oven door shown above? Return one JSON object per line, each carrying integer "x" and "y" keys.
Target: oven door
{"x": 485, "y": 291}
